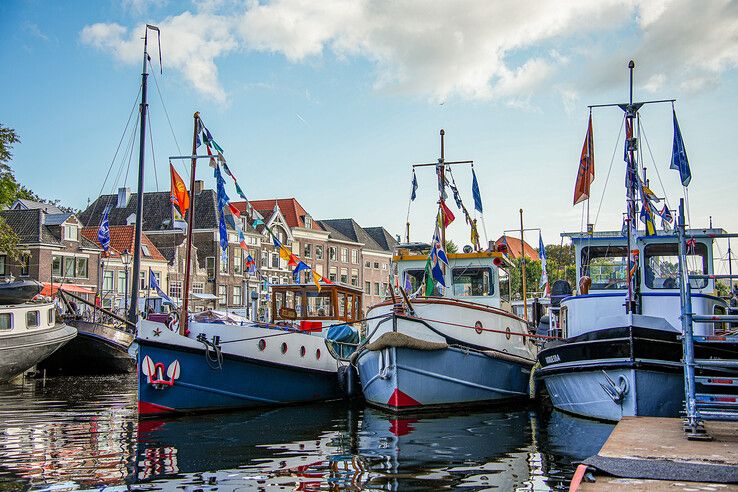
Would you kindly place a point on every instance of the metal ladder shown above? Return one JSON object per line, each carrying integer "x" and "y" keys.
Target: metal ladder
{"x": 704, "y": 404}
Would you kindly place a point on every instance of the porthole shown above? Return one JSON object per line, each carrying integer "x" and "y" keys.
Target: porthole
{"x": 507, "y": 333}
{"x": 262, "y": 344}
{"x": 302, "y": 351}
{"x": 284, "y": 347}
{"x": 317, "y": 354}
{"x": 478, "y": 327}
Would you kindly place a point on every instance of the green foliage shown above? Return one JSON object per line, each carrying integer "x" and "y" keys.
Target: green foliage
{"x": 532, "y": 278}
{"x": 561, "y": 264}
{"x": 722, "y": 289}
{"x": 451, "y": 247}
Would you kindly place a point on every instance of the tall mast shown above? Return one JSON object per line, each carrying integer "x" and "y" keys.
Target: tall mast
{"x": 133, "y": 310}
{"x": 631, "y": 171}
{"x": 441, "y": 189}
{"x": 190, "y": 224}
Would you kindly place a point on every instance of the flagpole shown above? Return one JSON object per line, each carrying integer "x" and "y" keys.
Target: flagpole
{"x": 190, "y": 224}
{"x": 441, "y": 188}
{"x": 522, "y": 250}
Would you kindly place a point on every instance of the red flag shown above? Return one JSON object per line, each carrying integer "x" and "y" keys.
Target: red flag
{"x": 234, "y": 210}
{"x": 178, "y": 194}
{"x": 325, "y": 280}
{"x": 586, "y": 173}
{"x": 448, "y": 216}
{"x": 293, "y": 261}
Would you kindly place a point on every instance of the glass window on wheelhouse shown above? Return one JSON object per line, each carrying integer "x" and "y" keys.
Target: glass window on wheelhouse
{"x": 319, "y": 304}
{"x": 662, "y": 265}
{"x": 6, "y": 321}
{"x": 607, "y": 266}
{"x": 473, "y": 281}
{"x": 33, "y": 319}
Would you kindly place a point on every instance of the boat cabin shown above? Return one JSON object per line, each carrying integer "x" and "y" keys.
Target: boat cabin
{"x": 603, "y": 258}
{"x": 305, "y": 302}
{"x": 469, "y": 276}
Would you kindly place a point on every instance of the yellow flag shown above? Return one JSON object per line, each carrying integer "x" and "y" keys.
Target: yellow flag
{"x": 284, "y": 253}
{"x": 316, "y": 280}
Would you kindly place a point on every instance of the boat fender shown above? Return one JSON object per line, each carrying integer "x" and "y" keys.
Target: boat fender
{"x": 173, "y": 321}
{"x": 394, "y": 339}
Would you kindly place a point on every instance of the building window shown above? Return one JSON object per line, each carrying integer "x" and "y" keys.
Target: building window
{"x": 308, "y": 251}
{"x": 198, "y": 288}
{"x": 332, "y": 274}
{"x": 318, "y": 252}
{"x": 3, "y": 260}
{"x": 368, "y": 264}
{"x": 145, "y": 250}
{"x": 175, "y": 289}
{"x": 344, "y": 275}
{"x": 25, "y": 265}
{"x": 142, "y": 284}
{"x": 121, "y": 281}
{"x": 384, "y": 266}
{"x": 108, "y": 281}
{"x": 355, "y": 256}
{"x": 56, "y": 266}
{"x": 210, "y": 267}
{"x": 376, "y": 288}
{"x": 71, "y": 233}
{"x": 384, "y": 289}
{"x": 332, "y": 253}
{"x": 238, "y": 261}
{"x": 354, "y": 277}
{"x": 367, "y": 288}
{"x": 237, "y": 295}
{"x": 275, "y": 260}
{"x": 308, "y": 222}
{"x": 223, "y": 294}
{"x": 376, "y": 265}
{"x": 69, "y": 266}
{"x": 344, "y": 255}
{"x": 224, "y": 262}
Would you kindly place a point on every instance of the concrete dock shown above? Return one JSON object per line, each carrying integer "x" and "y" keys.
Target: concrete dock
{"x": 653, "y": 454}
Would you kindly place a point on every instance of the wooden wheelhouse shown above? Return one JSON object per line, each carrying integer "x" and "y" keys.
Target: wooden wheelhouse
{"x": 335, "y": 302}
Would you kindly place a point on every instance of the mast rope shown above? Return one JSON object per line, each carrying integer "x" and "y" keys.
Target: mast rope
{"x": 609, "y": 170}
{"x": 153, "y": 154}
{"x": 169, "y": 122}
{"x": 658, "y": 174}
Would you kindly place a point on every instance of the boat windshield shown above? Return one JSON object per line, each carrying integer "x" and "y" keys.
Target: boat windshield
{"x": 662, "y": 265}
{"x": 415, "y": 278}
{"x": 473, "y": 281}
{"x": 607, "y": 266}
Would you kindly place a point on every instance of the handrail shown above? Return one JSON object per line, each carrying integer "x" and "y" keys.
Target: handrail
{"x": 102, "y": 309}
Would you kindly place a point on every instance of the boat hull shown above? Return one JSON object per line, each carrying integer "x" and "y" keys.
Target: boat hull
{"x": 402, "y": 379}
{"x": 20, "y": 352}
{"x": 97, "y": 349}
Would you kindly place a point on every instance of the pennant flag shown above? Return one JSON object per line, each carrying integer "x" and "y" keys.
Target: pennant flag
{"x": 413, "y": 195}
{"x": 294, "y": 261}
{"x": 153, "y": 284}
{"x": 475, "y": 192}
{"x": 257, "y": 223}
{"x": 285, "y": 253}
{"x": 679, "y": 159}
{"x": 276, "y": 242}
{"x": 316, "y": 280}
{"x": 408, "y": 285}
{"x": 447, "y": 215}
{"x": 198, "y": 130}
{"x": 647, "y": 218}
{"x": 229, "y": 217}
{"x": 240, "y": 191}
{"x": 178, "y": 194}
{"x": 242, "y": 240}
{"x": 542, "y": 256}
{"x": 103, "y": 233}
{"x": 234, "y": 210}
{"x": 650, "y": 194}
{"x": 666, "y": 218}
{"x": 586, "y": 172}
{"x": 326, "y": 281}
{"x": 296, "y": 272}
{"x": 429, "y": 284}
{"x": 250, "y": 264}
{"x": 437, "y": 252}
{"x": 457, "y": 196}
{"x": 475, "y": 235}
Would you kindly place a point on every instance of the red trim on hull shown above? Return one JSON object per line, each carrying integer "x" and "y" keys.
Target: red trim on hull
{"x": 146, "y": 408}
{"x": 399, "y": 399}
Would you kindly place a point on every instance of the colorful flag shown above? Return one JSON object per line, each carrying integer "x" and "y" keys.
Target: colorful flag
{"x": 646, "y": 217}
{"x": 153, "y": 284}
{"x": 250, "y": 264}
{"x": 293, "y": 261}
{"x": 285, "y": 253}
{"x": 429, "y": 284}
{"x": 679, "y": 159}
{"x": 437, "y": 252}
{"x": 103, "y": 232}
{"x": 178, "y": 194}
{"x": 408, "y": 284}
{"x": 326, "y": 281}
{"x": 475, "y": 192}
{"x": 298, "y": 268}
{"x": 666, "y": 218}
{"x": 447, "y": 215}
{"x": 586, "y": 172}
{"x": 415, "y": 187}
{"x": 542, "y": 256}
{"x": 316, "y": 280}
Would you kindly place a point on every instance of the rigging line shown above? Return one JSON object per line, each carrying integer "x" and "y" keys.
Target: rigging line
{"x": 128, "y": 150}
{"x": 115, "y": 156}
{"x": 130, "y": 155}
{"x": 153, "y": 154}
{"x": 658, "y": 174}
{"x": 169, "y": 121}
{"x": 607, "y": 179}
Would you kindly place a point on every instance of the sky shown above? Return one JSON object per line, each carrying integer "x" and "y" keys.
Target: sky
{"x": 331, "y": 102}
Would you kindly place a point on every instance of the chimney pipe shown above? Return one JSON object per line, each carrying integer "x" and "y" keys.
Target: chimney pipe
{"x": 199, "y": 186}
{"x": 124, "y": 194}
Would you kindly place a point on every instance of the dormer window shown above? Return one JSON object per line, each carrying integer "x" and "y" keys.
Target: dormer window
{"x": 145, "y": 250}
{"x": 71, "y": 232}
{"x": 308, "y": 222}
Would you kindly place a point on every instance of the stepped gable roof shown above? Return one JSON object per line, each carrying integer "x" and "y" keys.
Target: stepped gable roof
{"x": 292, "y": 211}
{"x": 121, "y": 239}
{"x": 383, "y": 238}
{"x": 349, "y": 230}
{"x": 32, "y": 228}
{"x": 514, "y": 249}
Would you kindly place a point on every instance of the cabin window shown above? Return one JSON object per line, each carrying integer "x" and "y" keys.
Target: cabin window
{"x": 50, "y": 314}
{"x": 350, "y": 307}
{"x": 6, "y": 321}
{"x": 662, "y": 265}
{"x": 319, "y": 304}
{"x": 341, "y": 304}
{"x": 33, "y": 319}
{"x": 415, "y": 277}
{"x": 607, "y": 266}
{"x": 473, "y": 281}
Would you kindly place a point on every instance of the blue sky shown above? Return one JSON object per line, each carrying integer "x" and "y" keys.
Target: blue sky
{"x": 332, "y": 102}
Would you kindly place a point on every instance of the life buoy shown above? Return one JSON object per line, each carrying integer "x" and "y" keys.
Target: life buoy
{"x": 173, "y": 321}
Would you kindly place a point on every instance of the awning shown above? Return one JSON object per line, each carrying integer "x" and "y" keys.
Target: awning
{"x": 205, "y": 297}
{"x": 49, "y": 291}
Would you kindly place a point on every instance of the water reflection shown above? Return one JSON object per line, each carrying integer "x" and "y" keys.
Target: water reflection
{"x": 82, "y": 432}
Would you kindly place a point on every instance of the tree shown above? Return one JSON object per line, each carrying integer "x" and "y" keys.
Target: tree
{"x": 561, "y": 264}
{"x": 451, "y": 247}
{"x": 532, "y": 277}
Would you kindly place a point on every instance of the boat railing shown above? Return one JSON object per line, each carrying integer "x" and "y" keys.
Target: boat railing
{"x": 341, "y": 351}
{"x": 99, "y": 314}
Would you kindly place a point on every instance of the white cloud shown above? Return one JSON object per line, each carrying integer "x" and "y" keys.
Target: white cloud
{"x": 472, "y": 49}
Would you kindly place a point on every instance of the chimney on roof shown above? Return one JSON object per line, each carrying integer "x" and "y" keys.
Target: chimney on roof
{"x": 199, "y": 186}
{"x": 124, "y": 194}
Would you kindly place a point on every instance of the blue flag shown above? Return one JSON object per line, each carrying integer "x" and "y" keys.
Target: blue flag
{"x": 296, "y": 272}
{"x": 679, "y": 159}
{"x": 438, "y": 273}
{"x": 103, "y": 233}
{"x": 153, "y": 284}
{"x": 415, "y": 187}
{"x": 475, "y": 192}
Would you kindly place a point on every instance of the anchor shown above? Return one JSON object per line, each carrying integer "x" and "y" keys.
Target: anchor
{"x": 155, "y": 373}
{"x": 616, "y": 391}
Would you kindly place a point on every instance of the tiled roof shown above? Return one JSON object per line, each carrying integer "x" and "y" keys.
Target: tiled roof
{"x": 31, "y": 227}
{"x": 513, "y": 248}
{"x": 349, "y": 230}
{"x": 34, "y": 205}
{"x": 121, "y": 239}
{"x": 383, "y": 238}
{"x": 294, "y": 213}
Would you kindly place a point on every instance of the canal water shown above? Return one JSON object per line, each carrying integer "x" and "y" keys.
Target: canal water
{"x": 78, "y": 433}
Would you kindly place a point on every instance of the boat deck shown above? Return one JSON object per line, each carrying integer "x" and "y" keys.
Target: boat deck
{"x": 657, "y": 446}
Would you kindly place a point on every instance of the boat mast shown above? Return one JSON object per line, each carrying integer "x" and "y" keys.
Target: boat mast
{"x": 631, "y": 171}
{"x": 133, "y": 310}
{"x": 441, "y": 200}
{"x": 190, "y": 224}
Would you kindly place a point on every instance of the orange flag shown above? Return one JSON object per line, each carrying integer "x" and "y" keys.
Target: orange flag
{"x": 586, "y": 173}
{"x": 178, "y": 194}
{"x": 316, "y": 280}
